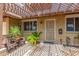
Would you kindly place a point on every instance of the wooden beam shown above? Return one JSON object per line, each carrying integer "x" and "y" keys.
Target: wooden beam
{"x": 76, "y": 7}
{"x": 69, "y": 6}
{"x": 30, "y": 9}
{"x": 59, "y": 7}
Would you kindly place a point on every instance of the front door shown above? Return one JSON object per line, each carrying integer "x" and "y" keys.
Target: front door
{"x": 50, "y": 30}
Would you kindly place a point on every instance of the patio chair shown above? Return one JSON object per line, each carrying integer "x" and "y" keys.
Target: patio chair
{"x": 3, "y": 41}
{"x": 10, "y": 44}
{"x": 21, "y": 41}
{"x": 68, "y": 39}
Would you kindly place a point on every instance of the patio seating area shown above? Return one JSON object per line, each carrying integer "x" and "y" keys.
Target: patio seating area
{"x": 45, "y": 50}
{"x": 13, "y": 44}
{"x": 47, "y": 27}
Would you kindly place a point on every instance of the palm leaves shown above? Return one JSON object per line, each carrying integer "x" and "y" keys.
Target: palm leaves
{"x": 33, "y": 38}
{"x": 36, "y": 34}
{"x": 14, "y": 31}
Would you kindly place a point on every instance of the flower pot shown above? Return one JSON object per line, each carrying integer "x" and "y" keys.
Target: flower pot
{"x": 18, "y": 37}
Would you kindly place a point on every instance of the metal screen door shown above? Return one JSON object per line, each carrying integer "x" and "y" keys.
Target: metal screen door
{"x": 50, "y": 30}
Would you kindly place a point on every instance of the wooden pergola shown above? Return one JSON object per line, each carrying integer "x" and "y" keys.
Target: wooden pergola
{"x": 46, "y": 9}
{"x": 30, "y": 10}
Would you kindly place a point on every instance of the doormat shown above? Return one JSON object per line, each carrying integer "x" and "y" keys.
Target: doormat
{"x": 48, "y": 42}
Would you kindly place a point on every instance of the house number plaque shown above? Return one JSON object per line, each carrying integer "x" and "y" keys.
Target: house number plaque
{"x": 60, "y": 31}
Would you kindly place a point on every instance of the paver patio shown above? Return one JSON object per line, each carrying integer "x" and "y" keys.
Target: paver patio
{"x": 45, "y": 50}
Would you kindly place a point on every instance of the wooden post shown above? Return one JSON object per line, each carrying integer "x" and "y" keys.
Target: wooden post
{"x": 1, "y": 18}
{"x": 1, "y": 23}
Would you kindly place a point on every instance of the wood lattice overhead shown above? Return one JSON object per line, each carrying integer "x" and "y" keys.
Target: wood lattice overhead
{"x": 42, "y": 9}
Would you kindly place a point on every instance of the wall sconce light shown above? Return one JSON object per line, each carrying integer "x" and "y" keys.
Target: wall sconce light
{"x": 41, "y": 22}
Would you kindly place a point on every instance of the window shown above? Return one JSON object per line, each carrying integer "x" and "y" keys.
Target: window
{"x": 72, "y": 24}
{"x": 30, "y": 26}
{"x": 77, "y": 24}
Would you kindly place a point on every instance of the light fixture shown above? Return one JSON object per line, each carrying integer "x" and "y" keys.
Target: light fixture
{"x": 41, "y": 22}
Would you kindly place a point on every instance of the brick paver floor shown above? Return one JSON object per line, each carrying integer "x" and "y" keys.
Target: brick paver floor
{"x": 45, "y": 50}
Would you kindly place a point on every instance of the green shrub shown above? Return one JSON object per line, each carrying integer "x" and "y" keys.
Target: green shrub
{"x": 33, "y": 38}
{"x": 14, "y": 31}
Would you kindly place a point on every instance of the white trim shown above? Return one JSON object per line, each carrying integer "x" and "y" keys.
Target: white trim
{"x": 54, "y": 27}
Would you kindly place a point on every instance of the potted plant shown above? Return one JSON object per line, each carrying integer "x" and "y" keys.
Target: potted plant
{"x": 37, "y": 35}
{"x": 15, "y": 32}
{"x": 33, "y": 38}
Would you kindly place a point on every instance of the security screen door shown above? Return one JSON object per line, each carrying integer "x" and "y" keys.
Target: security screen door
{"x": 49, "y": 30}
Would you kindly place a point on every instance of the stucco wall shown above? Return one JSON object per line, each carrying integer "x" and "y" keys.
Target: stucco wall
{"x": 60, "y": 23}
{"x": 40, "y": 28}
{"x": 11, "y": 22}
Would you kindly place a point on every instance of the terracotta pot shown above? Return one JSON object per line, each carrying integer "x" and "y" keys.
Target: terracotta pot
{"x": 18, "y": 37}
